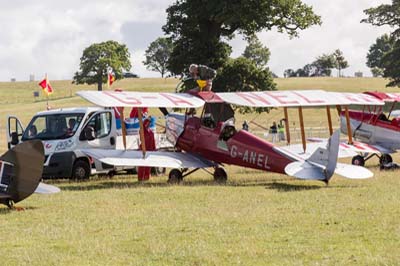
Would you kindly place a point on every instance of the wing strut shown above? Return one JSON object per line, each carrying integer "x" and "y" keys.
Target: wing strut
{"x": 328, "y": 112}
{"x": 303, "y": 135}
{"x": 123, "y": 127}
{"x": 346, "y": 109}
{"x": 141, "y": 132}
{"x": 287, "y": 125}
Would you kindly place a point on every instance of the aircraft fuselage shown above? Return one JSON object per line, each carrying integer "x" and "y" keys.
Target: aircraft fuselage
{"x": 242, "y": 148}
{"x": 373, "y": 129}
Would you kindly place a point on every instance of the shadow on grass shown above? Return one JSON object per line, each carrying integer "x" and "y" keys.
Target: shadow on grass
{"x": 119, "y": 184}
{"x": 18, "y": 208}
{"x": 284, "y": 187}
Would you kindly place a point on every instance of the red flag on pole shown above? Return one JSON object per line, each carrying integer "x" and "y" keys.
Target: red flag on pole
{"x": 45, "y": 84}
{"x": 111, "y": 79}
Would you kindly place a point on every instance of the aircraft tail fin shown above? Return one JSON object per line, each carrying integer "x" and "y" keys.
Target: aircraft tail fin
{"x": 21, "y": 171}
{"x": 322, "y": 164}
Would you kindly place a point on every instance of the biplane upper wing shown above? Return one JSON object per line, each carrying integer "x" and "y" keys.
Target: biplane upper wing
{"x": 152, "y": 158}
{"x": 141, "y": 99}
{"x": 303, "y": 98}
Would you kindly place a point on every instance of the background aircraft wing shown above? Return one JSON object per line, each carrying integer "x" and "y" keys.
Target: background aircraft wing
{"x": 296, "y": 98}
{"x": 152, "y": 158}
{"x": 345, "y": 149}
{"x": 141, "y": 99}
{"x": 313, "y": 146}
{"x": 366, "y": 148}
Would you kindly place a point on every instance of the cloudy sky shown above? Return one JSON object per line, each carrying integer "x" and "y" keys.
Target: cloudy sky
{"x": 45, "y": 36}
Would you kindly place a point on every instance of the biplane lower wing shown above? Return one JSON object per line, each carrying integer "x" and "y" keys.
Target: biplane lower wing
{"x": 151, "y": 159}
{"x": 313, "y": 146}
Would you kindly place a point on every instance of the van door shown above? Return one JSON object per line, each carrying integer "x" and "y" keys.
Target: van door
{"x": 15, "y": 130}
{"x": 97, "y": 132}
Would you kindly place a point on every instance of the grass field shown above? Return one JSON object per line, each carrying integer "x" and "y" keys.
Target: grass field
{"x": 257, "y": 218}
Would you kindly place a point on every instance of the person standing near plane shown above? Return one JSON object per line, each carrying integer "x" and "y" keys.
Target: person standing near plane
{"x": 150, "y": 145}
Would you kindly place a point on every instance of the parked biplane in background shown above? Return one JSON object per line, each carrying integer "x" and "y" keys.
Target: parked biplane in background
{"x": 211, "y": 140}
{"x": 21, "y": 171}
{"x": 375, "y": 129}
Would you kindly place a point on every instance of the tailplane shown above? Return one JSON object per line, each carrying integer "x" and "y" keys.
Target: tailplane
{"x": 322, "y": 164}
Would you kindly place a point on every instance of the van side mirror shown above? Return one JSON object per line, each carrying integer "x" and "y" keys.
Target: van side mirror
{"x": 14, "y": 138}
{"x": 89, "y": 133}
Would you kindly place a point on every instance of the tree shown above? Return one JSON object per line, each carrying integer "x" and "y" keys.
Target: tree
{"x": 256, "y": 52}
{"x": 98, "y": 58}
{"x": 387, "y": 14}
{"x": 289, "y": 73}
{"x": 198, "y": 28}
{"x": 382, "y": 45}
{"x": 157, "y": 55}
{"x": 241, "y": 74}
{"x": 391, "y": 65}
{"x": 377, "y": 72}
{"x": 322, "y": 66}
{"x": 340, "y": 62}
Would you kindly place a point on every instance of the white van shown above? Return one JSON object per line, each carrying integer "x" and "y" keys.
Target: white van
{"x": 64, "y": 132}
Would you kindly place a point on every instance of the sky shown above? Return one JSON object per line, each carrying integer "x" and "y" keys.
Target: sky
{"x": 46, "y": 36}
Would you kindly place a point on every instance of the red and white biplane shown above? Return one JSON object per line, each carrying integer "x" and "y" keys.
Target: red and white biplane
{"x": 376, "y": 129}
{"x": 211, "y": 139}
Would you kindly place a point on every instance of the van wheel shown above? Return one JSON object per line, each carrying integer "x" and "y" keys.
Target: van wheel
{"x": 81, "y": 170}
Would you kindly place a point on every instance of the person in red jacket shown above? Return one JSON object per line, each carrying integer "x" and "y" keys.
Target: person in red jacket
{"x": 135, "y": 112}
{"x": 150, "y": 144}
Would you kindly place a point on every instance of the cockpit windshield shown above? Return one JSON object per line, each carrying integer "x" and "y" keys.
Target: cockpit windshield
{"x": 215, "y": 113}
{"x": 54, "y": 126}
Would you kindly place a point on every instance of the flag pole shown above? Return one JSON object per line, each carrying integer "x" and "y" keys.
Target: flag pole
{"x": 108, "y": 78}
{"x": 47, "y": 92}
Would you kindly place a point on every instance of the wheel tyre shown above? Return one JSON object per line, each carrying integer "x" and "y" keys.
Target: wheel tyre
{"x": 220, "y": 175}
{"x": 81, "y": 170}
{"x": 358, "y": 160}
{"x": 385, "y": 159}
{"x": 175, "y": 176}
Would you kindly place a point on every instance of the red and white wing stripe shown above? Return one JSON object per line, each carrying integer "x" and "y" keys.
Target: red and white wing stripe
{"x": 365, "y": 148}
{"x": 141, "y": 99}
{"x": 304, "y": 98}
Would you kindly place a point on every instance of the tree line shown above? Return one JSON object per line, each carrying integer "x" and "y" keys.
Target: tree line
{"x": 321, "y": 67}
{"x": 202, "y": 38}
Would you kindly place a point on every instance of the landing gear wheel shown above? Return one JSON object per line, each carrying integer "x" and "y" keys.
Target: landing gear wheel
{"x": 220, "y": 175}
{"x": 358, "y": 160}
{"x": 81, "y": 170}
{"x": 175, "y": 176}
{"x": 385, "y": 159}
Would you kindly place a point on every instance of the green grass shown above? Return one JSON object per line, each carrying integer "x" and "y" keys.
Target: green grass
{"x": 257, "y": 218}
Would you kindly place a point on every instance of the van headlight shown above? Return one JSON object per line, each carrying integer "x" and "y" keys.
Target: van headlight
{"x": 63, "y": 145}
